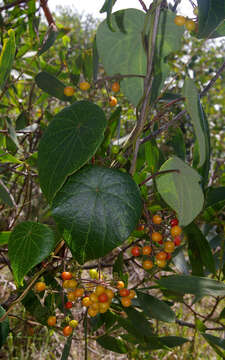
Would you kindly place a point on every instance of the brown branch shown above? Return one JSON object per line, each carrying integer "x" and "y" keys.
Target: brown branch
{"x": 14, "y": 3}
{"x": 143, "y": 5}
{"x": 213, "y": 80}
{"x": 47, "y": 12}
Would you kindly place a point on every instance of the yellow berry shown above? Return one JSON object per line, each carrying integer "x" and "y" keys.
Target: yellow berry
{"x": 99, "y": 290}
{"x": 86, "y": 301}
{"x": 84, "y": 86}
{"x": 72, "y": 284}
{"x": 93, "y": 274}
{"x": 69, "y": 91}
{"x": 190, "y": 25}
{"x": 112, "y": 101}
{"x": 109, "y": 293}
{"x": 92, "y": 312}
{"x": 93, "y": 298}
{"x": 176, "y": 231}
{"x": 40, "y": 286}
{"x": 179, "y": 20}
{"x": 73, "y": 323}
{"x": 132, "y": 294}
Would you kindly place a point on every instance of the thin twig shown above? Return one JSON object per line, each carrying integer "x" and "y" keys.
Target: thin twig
{"x": 158, "y": 173}
{"x": 14, "y": 3}
{"x": 47, "y": 12}
{"x": 143, "y": 5}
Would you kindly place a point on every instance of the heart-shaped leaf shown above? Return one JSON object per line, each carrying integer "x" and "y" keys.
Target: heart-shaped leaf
{"x": 181, "y": 189}
{"x": 29, "y": 244}
{"x": 99, "y": 207}
{"x": 72, "y": 137}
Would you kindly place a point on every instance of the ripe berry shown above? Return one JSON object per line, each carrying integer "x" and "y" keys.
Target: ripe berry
{"x": 157, "y": 219}
{"x": 169, "y": 246}
{"x": 174, "y": 222}
{"x": 161, "y": 263}
{"x": 94, "y": 298}
{"x": 115, "y": 87}
{"x": 86, "y": 301}
{"x": 109, "y": 293}
{"x": 92, "y": 312}
{"x": 135, "y": 251}
{"x": 179, "y": 20}
{"x": 72, "y": 284}
{"x": 124, "y": 292}
{"x": 71, "y": 296}
{"x": 177, "y": 241}
{"x": 156, "y": 236}
{"x": 68, "y": 305}
{"x": 40, "y": 286}
{"x": 175, "y": 230}
{"x": 147, "y": 264}
{"x": 51, "y": 321}
{"x": 84, "y": 86}
{"x": 66, "y": 284}
{"x": 103, "y": 298}
{"x": 132, "y": 294}
{"x": 141, "y": 227}
{"x": 67, "y": 331}
{"x": 190, "y": 25}
{"x": 69, "y": 91}
{"x": 126, "y": 301}
{"x": 146, "y": 250}
{"x": 120, "y": 285}
{"x": 112, "y": 101}
{"x": 168, "y": 256}
{"x": 94, "y": 306}
{"x": 78, "y": 292}
{"x": 161, "y": 255}
{"x": 99, "y": 290}
{"x": 66, "y": 275}
{"x": 103, "y": 307}
{"x": 73, "y": 323}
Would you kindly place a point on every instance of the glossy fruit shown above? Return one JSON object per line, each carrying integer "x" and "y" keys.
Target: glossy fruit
{"x": 95, "y": 306}
{"x": 103, "y": 298}
{"x": 94, "y": 298}
{"x": 169, "y": 246}
{"x": 69, "y": 91}
{"x": 177, "y": 241}
{"x": 141, "y": 227}
{"x": 120, "y": 285}
{"x": 115, "y": 87}
{"x": 135, "y": 251}
{"x": 66, "y": 275}
{"x": 92, "y": 312}
{"x": 78, "y": 292}
{"x": 179, "y": 20}
{"x": 71, "y": 296}
{"x": 86, "y": 301}
{"x": 93, "y": 274}
{"x": 161, "y": 263}
{"x": 68, "y": 305}
{"x": 124, "y": 292}
{"x": 109, "y": 293}
{"x": 161, "y": 255}
{"x": 147, "y": 264}
{"x": 176, "y": 230}
{"x": 103, "y": 307}
{"x": 190, "y": 25}
{"x": 51, "y": 320}
{"x": 40, "y": 286}
{"x": 66, "y": 284}
{"x": 73, "y": 323}
{"x": 156, "y": 236}
{"x": 157, "y": 219}
{"x": 99, "y": 290}
{"x": 67, "y": 331}
{"x": 84, "y": 86}
{"x": 126, "y": 301}
{"x": 72, "y": 284}
{"x": 112, "y": 101}
{"x": 146, "y": 250}
{"x": 174, "y": 222}
{"x": 132, "y": 294}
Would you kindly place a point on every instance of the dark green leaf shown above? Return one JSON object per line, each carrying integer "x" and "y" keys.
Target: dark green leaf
{"x": 22, "y": 121}
{"x": 211, "y": 15}
{"x": 214, "y": 196}
{"x": 176, "y": 140}
{"x": 95, "y": 60}
{"x": 112, "y": 344}
{"x": 99, "y": 207}
{"x": 66, "y": 349}
{"x": 70, "y": 140}
{"x": 199, "y": 243}
{"x": 29, "y": 244}
{"x": 4, "y": 237}
{"x": 49, "y": 39}
{"x": 155, "y": 308}
{"x": 139, "y": 322}
{"x": 5, "y": 195}
{"x": 118, "y": 267}
{"x": 181, "y": 190}
{"x": 4, "y": 327}
{"x": 211, "y": 339}
{"x": 12, "y": 132}
{"x": 7, "y": 57}
{"x": 35, "y": 308}
{"x": 51, "y": 85}
{"x": 152, "y": 155}
{"x": 222, "y": 314}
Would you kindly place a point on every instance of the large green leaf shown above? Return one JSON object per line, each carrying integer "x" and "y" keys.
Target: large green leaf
{"x": 51, "y": 85}
{"x": 7, "y": 56}
{"x": 181, "y": 190}
{"x": 71, "y": 139}
{"x": 29, "y": 244}
{"x": 198, "y": 286}
{"x": 4, "y": 328}
{"x": 155, "y": 308}
{"x": 211, "y": 14}
{"x": 113, "y": 344}
{"x": 155, "y": 343}
{"x": 99, "y": 207}
{"x": 192, "y": 105}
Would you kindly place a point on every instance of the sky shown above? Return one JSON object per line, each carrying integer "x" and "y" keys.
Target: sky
{"x": 93, "y": 6}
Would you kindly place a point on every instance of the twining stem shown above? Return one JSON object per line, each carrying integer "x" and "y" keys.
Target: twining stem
{"x": 158, "y": 173}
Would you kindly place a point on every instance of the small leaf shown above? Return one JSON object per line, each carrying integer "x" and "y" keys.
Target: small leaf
{"x": 214, "y": 196}
{"x": 181, "y": 190}
{"x": 66, "y": 349}
{"x": 70, "y": 140}
{"x": 4, "y": 327}
{"x": 195, "y": 285}
{"x": 29, "y": 244}
{"x": 215, "y": 340}
{"x": 51, "y": 85}
{"x": 49, "y": 39}
{"x": 152, "y": 155}
{"x": 4, "y": 237}
{"x": 112, "y": 344}
{"x": 155, "y": 308}
{"x": 107, "y": 7}
{"x": 99, "y": 207}
{"x": 7, "y": 57}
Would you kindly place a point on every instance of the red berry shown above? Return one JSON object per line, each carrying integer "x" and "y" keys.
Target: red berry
{"x": 135, "y": 251}
{"x": 66, "y": 275}
{"x": 103, "y": 298}
{"x": 168, "y": 256}
{"x": 177, "y": 240}
{"x": 124, "y": 292}
{"x": 174, "y": 222}
{"x": 68, "y": 305}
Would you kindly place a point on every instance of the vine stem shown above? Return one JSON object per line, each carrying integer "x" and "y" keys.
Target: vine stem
{"x": 158, "y": 173}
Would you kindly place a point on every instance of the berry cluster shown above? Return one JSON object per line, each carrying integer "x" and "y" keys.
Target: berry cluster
{"x": 190, "y": 25}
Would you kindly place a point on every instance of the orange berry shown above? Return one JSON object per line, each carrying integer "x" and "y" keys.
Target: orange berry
{"x": 179, "y": 20}
{"x": 94, "y": 298}
{"x": 51, "y": 320}
{"x": 162, "y": 255}
{"x": 156, "y": 236}
{"x": 71, "y": 296}
{"x": 103, "y": 307}
{"x": 147, "y": 264}
{"x": 40, "y": 286}
{"x": 95, "y": 306}
{"x": 176, "y": 231}
{"x": 112, "y": 101}
{"x": 67, "y": 331}
{"x": 99, "y": 290}
{"x": 78, "y": 292}
{"x": 124, "y": 292}
{"x": 86, "y": 301}
{"x": 161, "y": 263}
{"x": 169, "y": 246}
{"x": 157, "y": 219}
{"x": 109, "y": 293}
{"x": 190, "y": 25}
{"x": 135, "y": 251}
{"x": 115, "y": 87}
{"x": 72, "y": 284}
{"x": 69, "y": 91}
{"x": 84, "y": 86}
{"x": 66, "y": 284}
{"x": 92, "y": 312}
{"x": 126, "y": 301}
{"x": 66, "y": 275}
{"x": 120, "y": 285}
{"x": 141, "y": 227}
{"x": 132, "y": 294}
{"x": 146, "y": 250}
